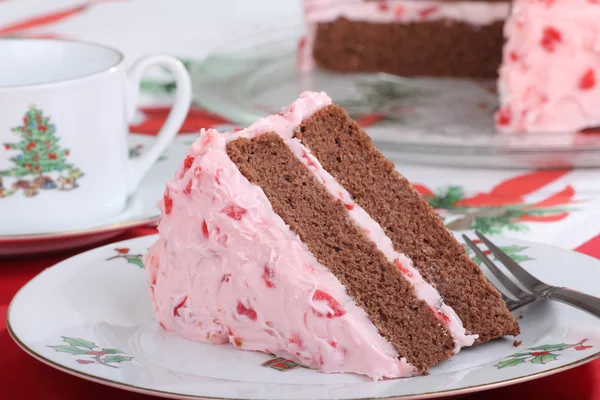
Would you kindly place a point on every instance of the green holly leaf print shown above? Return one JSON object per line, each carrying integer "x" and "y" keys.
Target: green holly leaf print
{"x": 543, "y": 359}
{"x": 513, "y": 249}
{"x": 520, "y": 355}
{"x": 69, "y": 349}
{"x": 112, "y": 351}
{"x": 117, "y": 359}
{"x": 510, "y": 363}
{"x": 549, "y": 347}
{"x": 519, "y": 258}
{"x": 135, "y": 260}
{"x": 79, "y": 342}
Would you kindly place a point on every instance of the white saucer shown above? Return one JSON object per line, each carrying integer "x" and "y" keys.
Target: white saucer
{"x": 98, "y": 325}
{"x": 141, "y": 209}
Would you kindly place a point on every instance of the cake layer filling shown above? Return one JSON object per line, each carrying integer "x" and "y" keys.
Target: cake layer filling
{"x": 322, "y": 223}
{"x": 405, "y": 11}
{"x": 285, "y": 125}
{"x": 423, "y": 290}
{"x": 349, "y": 155}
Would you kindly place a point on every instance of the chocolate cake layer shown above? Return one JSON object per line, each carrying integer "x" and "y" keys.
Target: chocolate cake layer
{"x": 324, "y": 226}
{"x": 348, "y": 154}
{"x": 429, "y": 48}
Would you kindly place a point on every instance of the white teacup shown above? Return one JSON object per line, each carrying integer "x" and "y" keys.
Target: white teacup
{"x": 64, "y": 113}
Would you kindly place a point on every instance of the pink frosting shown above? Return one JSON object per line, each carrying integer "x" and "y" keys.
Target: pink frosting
{"x": 226, "y": 268}
{"x": 550, "y": 77}
{"x": 401, "y": 11}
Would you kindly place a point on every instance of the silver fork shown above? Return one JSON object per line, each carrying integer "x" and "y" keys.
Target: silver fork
{"x": 535, "y": 289}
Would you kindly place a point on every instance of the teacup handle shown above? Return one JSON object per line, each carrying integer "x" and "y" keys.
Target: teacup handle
{"x": 183, "y": 96}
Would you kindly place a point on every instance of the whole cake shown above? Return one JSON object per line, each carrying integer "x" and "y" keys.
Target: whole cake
{"x": 405, "y": 37}
{"x": 547, "y": 51}
{"x": 297, "y": 237}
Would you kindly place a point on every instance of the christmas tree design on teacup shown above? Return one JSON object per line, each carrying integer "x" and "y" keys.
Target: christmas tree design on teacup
{"x": 41, "y": 158}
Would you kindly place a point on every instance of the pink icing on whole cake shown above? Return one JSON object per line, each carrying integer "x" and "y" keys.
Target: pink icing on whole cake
{"x": 550, "y": 77}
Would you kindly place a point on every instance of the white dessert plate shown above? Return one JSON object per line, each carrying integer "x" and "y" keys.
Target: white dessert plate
{"x": 427, "y": 121}
{"x": 141, "y": 209}
{"x": 90, "y": 316}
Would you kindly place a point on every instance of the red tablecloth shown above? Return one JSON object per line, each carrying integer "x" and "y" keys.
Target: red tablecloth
{"x": 23, "y": 377}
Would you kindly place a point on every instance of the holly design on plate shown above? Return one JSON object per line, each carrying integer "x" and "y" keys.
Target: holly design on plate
{"x": 379, "y": 100}
{"x": 281, "y": 364}
{"x": 541, "y": 354}
{"x": 137, "y": 150}
{"x": 514, "y": 252}
{"x": 503, "y": 207}
{"x": 91, "y": 353}
{"x": 40, "y": 157}
{"x": 124, "y": 253}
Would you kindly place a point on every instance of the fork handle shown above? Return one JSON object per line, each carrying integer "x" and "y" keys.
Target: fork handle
{"x": 576, "y": 299}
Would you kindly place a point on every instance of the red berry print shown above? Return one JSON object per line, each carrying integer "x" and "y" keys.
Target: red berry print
{"x": 338, "y": 311}
{"x": 178, "y": 306}
{"x": 332, "y": 343}
{"x": 187, "y": 163}
{"x": 225, "y": 278}
{"x": 267, "y": 277}
{"x": 122, "y": 250}
{"x": 7, "y": 146}
{"x": 248, "y": 312}
{"x": 405, "y": 271}
{"x": 550, "y": 38}
{"x": 427, "y": 11}
{"x": 588, "y": 80}
{"x": 503, "y": 117}
{"x": 95, "y": 353}
{"x": 440, "y": 315}
{"x": 52, "y": 156}
{"x": 580, "y": 347}
{"x": 204, "y": 230}
{"x": 540, "y": 353}
{"x": 188, "y": 188}
{"x": 234, "y": 211}
{"x": 168, "y": 202}
{"x": 67, "y": 152}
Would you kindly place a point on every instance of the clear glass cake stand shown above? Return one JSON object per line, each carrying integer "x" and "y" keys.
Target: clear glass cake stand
{"x": 425, "y": 121}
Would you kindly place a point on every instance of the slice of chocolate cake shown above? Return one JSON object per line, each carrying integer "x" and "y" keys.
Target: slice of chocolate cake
{"x": 405, "y": 37}
{"x": 296, "y": 237}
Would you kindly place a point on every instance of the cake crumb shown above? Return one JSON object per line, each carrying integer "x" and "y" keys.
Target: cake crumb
{"x": 517, "y": 343}
{"x": 520, "y": 317}
{"x": 426, "y": 373}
